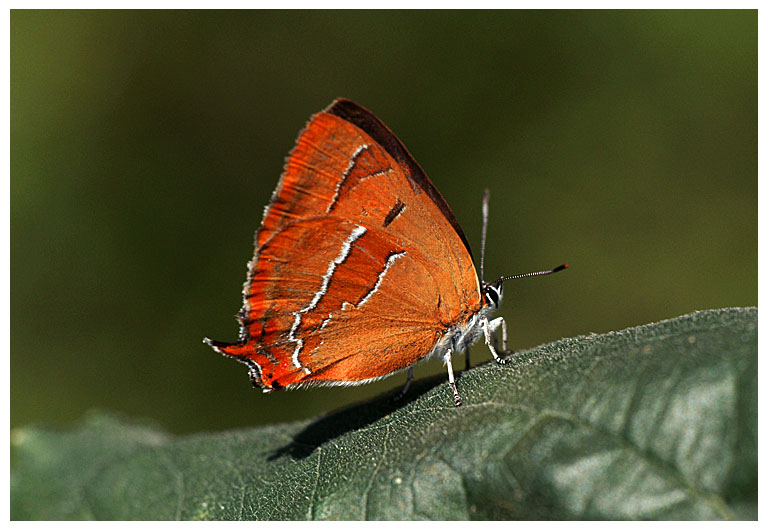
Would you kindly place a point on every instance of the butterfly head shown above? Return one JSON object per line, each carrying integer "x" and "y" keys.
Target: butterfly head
{"x": 492, "y": 293}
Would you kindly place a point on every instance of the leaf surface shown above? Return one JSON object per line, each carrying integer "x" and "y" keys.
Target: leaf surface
{"x": 653, "y": 422}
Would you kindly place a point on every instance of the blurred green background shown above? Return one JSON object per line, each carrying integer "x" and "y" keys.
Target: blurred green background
{"x": 144, "y": 146}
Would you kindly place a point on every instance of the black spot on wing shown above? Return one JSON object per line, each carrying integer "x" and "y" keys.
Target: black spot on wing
{"x": 395, "y": 211}
{"x": 375, "y": 128}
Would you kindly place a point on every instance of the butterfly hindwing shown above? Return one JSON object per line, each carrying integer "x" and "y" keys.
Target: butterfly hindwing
{"x": 330, "y": 295}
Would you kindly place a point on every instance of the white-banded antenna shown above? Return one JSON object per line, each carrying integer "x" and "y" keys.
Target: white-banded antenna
{"x": 486, "y": 197}
{"x": 533, "y": 274}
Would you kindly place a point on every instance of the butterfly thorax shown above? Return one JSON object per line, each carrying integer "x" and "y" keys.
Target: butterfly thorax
{"x": 460, "y": 337}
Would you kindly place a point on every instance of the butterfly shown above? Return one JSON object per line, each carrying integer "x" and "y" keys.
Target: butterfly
{"x": 360, "y": 269}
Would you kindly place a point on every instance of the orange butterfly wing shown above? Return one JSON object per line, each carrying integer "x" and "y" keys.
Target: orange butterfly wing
{"x": 360, "y": 266}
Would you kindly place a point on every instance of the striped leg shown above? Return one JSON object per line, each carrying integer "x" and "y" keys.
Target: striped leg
{"x": 451, "y": 381}
{"x": 490, "y": 330}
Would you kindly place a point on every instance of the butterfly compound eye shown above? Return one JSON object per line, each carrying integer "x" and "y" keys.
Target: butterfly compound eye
{"x": 493, "y": 294}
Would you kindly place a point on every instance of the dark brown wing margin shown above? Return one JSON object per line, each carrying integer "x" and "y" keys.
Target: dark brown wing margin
{"x": 375, "y": 128}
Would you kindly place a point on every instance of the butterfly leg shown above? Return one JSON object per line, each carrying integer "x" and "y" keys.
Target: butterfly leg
{"x": 490, "y": 330}
{"x": 408, "y": 380}
{"x": 501, "y": 322}
{"x": 451, "y": 381}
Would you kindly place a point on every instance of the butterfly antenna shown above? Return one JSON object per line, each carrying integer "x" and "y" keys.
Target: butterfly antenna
{"x": 486, "y": 197}
{"x": 535, "y": 273}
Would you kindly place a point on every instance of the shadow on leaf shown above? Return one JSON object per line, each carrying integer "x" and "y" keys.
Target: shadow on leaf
{"x": 352, "y": 418}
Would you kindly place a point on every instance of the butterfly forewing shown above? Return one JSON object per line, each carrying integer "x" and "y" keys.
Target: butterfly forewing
{"x": 345, "y": 285}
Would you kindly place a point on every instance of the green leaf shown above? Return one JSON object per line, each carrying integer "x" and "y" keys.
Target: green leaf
{"x": 653, "y": 422}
